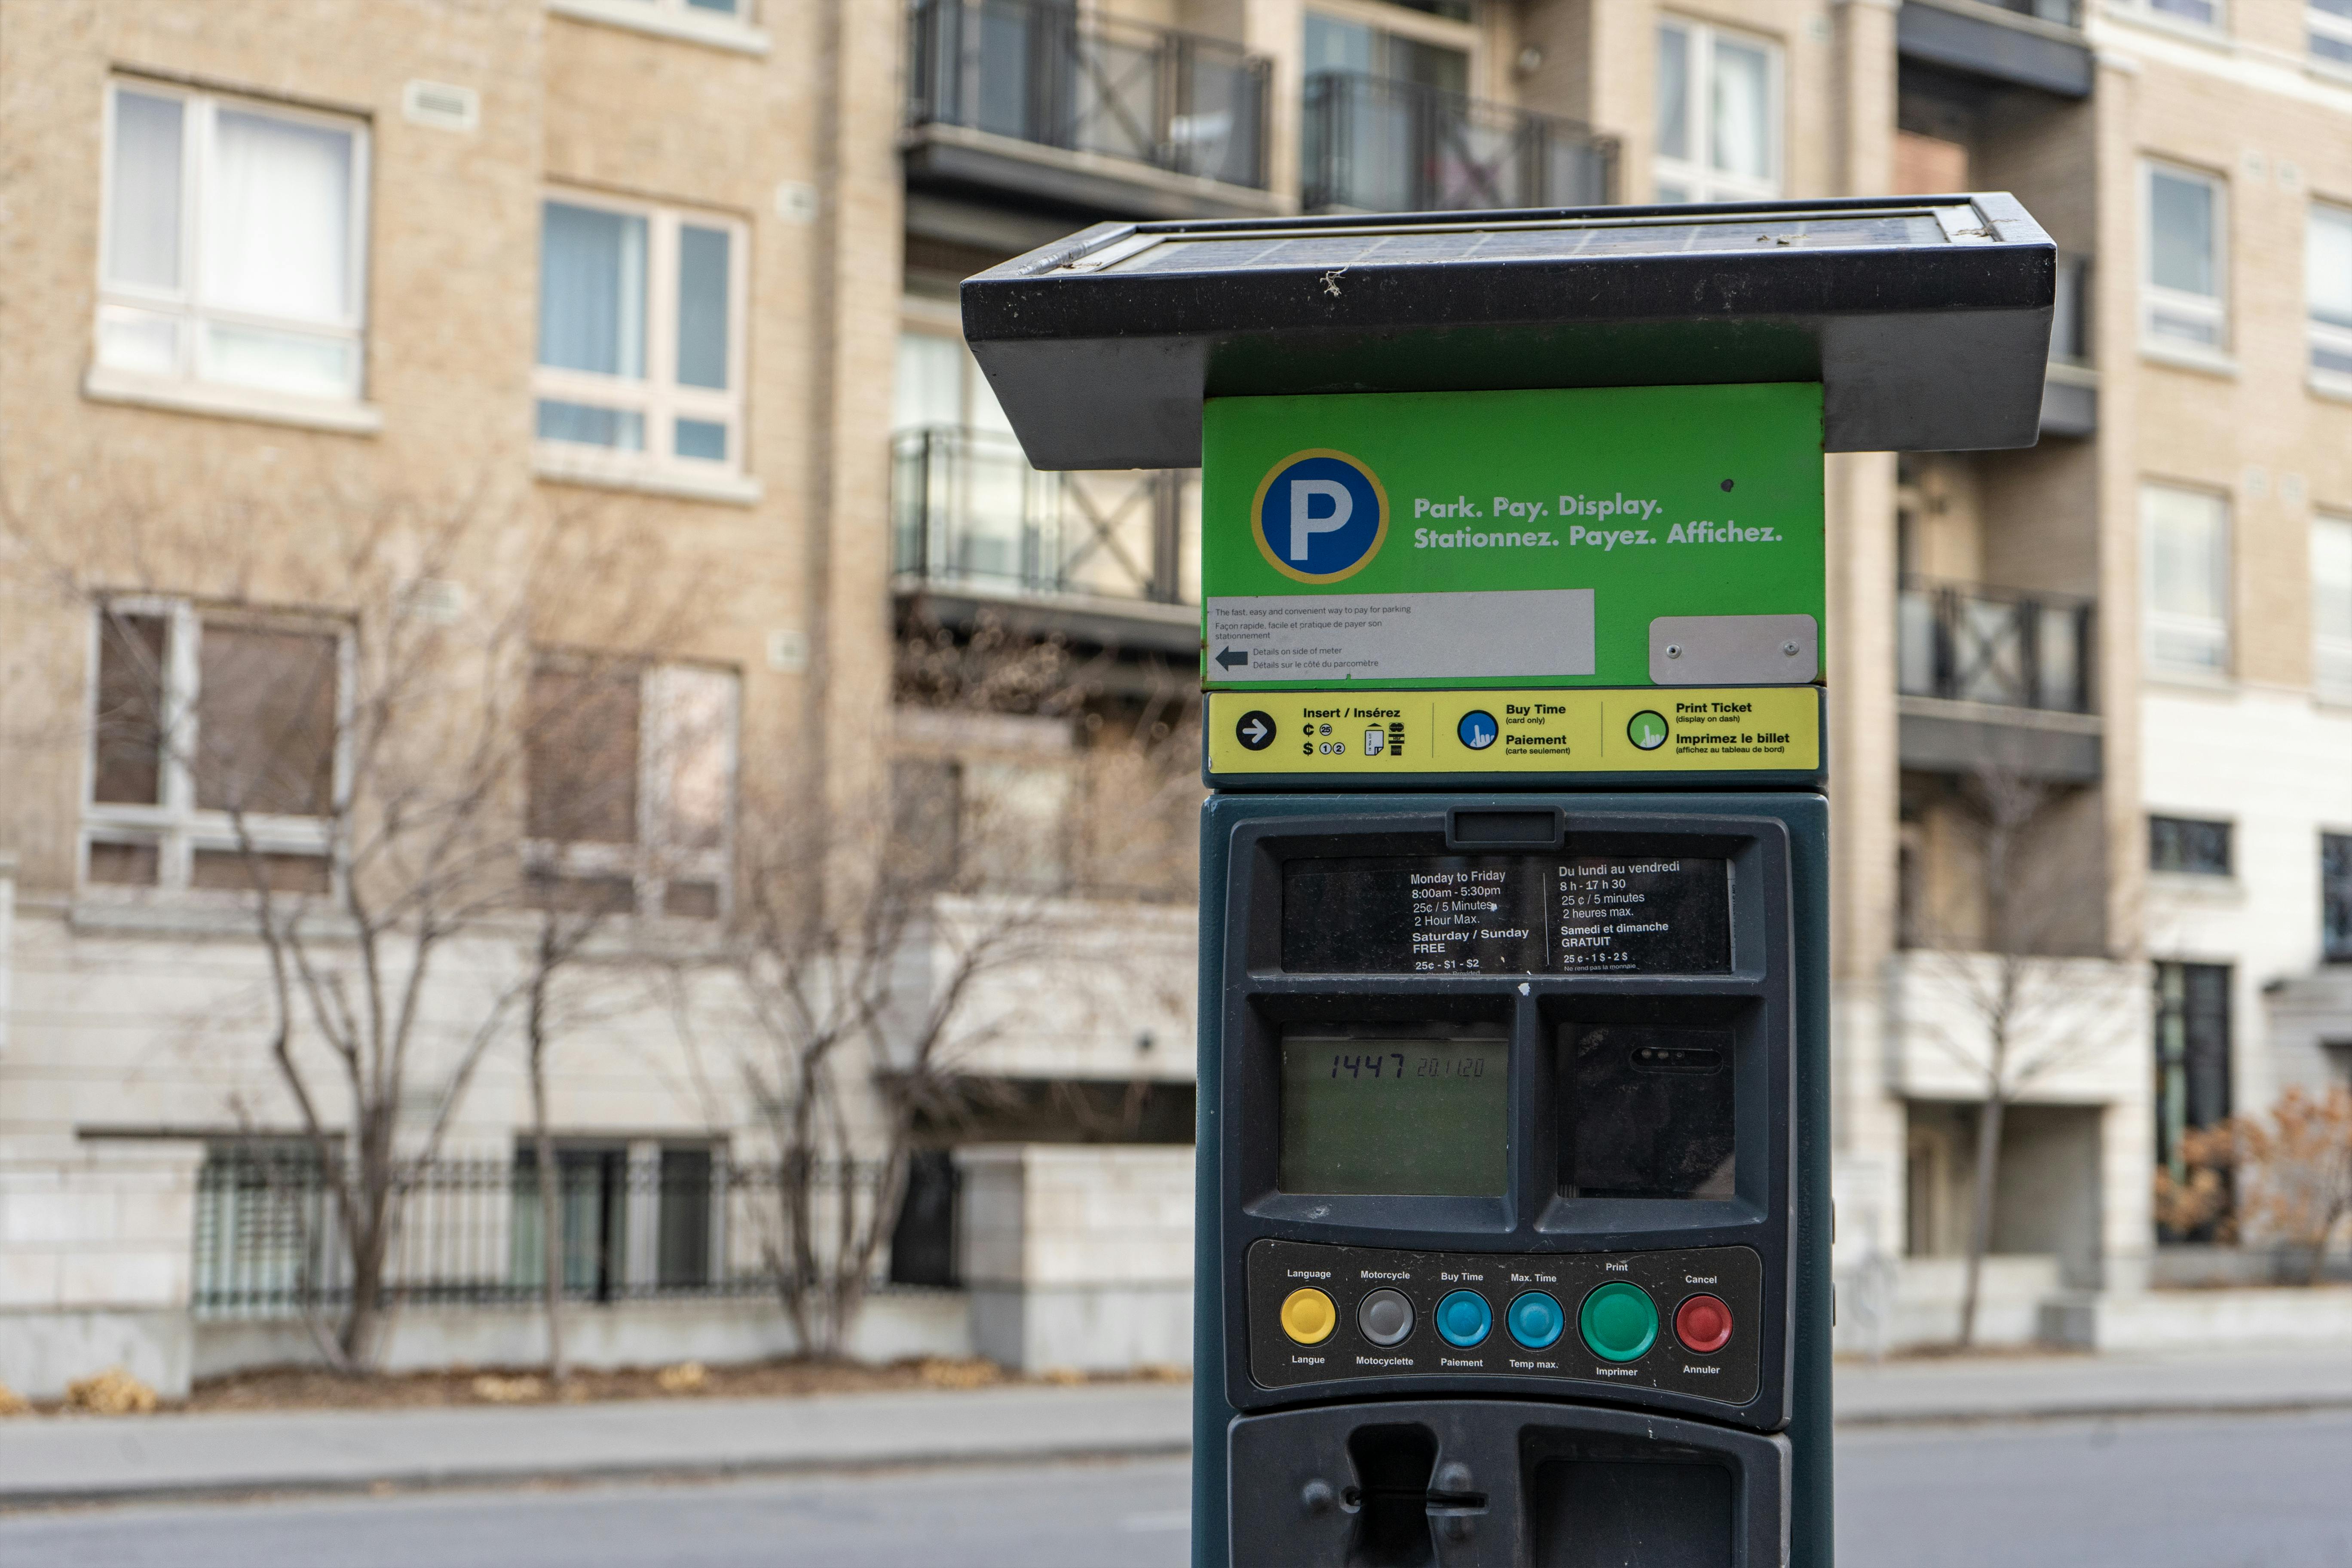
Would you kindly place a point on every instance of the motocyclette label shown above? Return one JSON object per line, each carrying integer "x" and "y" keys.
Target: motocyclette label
{"x": 1519, "y": 537}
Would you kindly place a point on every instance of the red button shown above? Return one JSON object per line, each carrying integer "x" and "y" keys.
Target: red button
{"x": 1703, "y": 1323}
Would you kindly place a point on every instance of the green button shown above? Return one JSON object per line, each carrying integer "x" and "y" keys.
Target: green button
{"x": 1619, "y": 1321}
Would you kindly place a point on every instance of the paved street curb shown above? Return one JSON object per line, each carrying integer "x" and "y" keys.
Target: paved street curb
{"x": 12, "y": 1500}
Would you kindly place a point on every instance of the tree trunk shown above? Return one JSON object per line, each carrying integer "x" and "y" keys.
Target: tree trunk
{"x": 1981, "y": 1211}
{"x": 550, "y": 1197}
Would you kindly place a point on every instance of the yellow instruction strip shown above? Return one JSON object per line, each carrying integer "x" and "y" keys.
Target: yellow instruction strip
{"x": 1747, "y": 729}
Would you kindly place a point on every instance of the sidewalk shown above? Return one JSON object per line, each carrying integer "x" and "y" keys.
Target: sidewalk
{"x": 58, "y": 1459}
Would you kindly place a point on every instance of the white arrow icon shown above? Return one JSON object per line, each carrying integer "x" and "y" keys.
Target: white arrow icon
{"x": 1255, "y": 731}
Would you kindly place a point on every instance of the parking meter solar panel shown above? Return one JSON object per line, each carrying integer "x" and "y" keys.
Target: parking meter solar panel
{"x": 1925, "y": 320}
{"x": 1395, "y": 1113}
{"x": 1555, "y": 240}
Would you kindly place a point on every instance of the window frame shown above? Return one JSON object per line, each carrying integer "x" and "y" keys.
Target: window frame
{"x": 2337, "y": 29}
{"x": 1704, "y": 182}
{"x": 2152, "y": 620}
{"x": 2155, "y": 297}
{"x": 2323, "y": 336}
{"x": 651, "y": 862}
{"x": 185, "y": 303}
{"x": 2329, "y": 654}
{"x": 2226, "y": 835}
{"x": 175, "y": 825}
{"x": 2336, "y": 897}
{"x": 657, "y": 397}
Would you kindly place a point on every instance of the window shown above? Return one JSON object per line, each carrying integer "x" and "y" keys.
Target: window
{"x": 2186, "y": 545}
{"x": 2328, "y": 287}
{"x": 2187, "y": 845}
{"x": 2335, "y": 897}
{"x": 2331, "y": 606}
{"x": 235, "y": 243}
{"x": 631, "y": 783}
{"x": 2331, "y": 31}
{"x": 640, "y": 335}
{"x": 201, "y": 721}
{"x": 2195, "y": 13}
{"x": 609, "y": 1197}
{"x": 1718, "y": 115}
{"x": 2193, "y": 1055}
{"x": 2181, "y": 297}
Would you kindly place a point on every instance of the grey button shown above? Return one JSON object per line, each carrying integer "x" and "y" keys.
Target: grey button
{"x": 1385, "y": 1317}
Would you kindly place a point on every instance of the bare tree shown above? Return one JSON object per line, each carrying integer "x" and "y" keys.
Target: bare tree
{"x": 343, "y": 687}
{"x": 2005, "y": 939}
{"x": 876, "y": 956}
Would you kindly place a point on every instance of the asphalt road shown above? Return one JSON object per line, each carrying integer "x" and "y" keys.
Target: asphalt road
{"x": 2236, "y": 1492}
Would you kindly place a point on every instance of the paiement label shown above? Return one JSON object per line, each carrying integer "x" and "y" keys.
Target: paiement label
{"x": 1358, "y": 734}
{"x": 1423, "y": 540}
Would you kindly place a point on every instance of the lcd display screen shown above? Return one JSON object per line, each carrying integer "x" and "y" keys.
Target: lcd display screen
{"x": 1647, "y": 1111}
{"x": 1423, "y": 914}
{"x": 1396, "y": 1111}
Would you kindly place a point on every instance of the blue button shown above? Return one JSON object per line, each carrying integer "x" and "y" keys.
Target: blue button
{"x": 1477, "y": 729}
{"x": 1463, "y": 1319}
{"x": 1535, "y": 1320}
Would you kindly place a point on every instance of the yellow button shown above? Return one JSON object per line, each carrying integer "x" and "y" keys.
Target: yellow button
{"x": 1308, "y": 1317}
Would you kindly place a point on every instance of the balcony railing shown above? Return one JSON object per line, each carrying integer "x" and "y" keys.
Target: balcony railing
{"x": 1974, "y": 643}
{"x": 1376, "y": 145}
{"x": 1040, "y": 72}
{"x": 2064, "y": 13}
{"x": 969, "y": 512}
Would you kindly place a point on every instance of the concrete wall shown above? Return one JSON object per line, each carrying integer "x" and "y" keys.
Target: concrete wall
{"x": 95, "y": 1266}
{"x": 1078, "y": 1256}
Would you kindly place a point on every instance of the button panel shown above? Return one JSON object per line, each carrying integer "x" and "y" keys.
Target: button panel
{"x": 1635, "y": 1319}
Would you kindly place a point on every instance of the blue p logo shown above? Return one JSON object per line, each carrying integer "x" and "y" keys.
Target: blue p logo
{"x": 1319, "y": 516}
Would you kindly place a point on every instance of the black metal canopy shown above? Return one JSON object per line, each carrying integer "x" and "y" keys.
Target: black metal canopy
{"x": 1926, "y": 318}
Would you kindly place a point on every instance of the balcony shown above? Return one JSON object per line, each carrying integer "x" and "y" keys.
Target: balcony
{"x": 1106, "y": 558}
{"x": 2070, "y": 392}
{"x": 2019, "y": 42}
{"x": 1375, "y": 145}
{"x": 1991, "y": 677}
{"x": 1031, "y": 98}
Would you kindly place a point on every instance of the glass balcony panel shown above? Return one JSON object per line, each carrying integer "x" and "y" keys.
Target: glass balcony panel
{"x": 967, "y": 509}
{"x": 1038, "y": 71}
{"x": 1374, "y": 144}
{"x": 1965, "y": 642}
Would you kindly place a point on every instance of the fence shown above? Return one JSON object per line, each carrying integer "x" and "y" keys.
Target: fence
{"x": 1039, "y": 72}
{"x": 635, "y": 1224}
{"x": 1372, "y": 144}
{"x": 969, "y": 509}
{"x": 1973, "y": 644}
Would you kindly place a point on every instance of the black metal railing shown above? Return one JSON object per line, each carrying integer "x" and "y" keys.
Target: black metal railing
{"x": 1974, "y": 643}
{"x": 967, "y": 509}
{"x": 2064, "y": 13}
{"x": 1040, "y": 72}
{"x": 1371, "y": 144}
{"x": 269, "y": 1238}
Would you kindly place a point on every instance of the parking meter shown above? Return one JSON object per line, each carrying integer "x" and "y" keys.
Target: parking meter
{"x": 1513, "y": 1211}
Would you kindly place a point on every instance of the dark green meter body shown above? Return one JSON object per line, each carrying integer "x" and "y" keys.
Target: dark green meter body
{"x": 1512, "y": 1203}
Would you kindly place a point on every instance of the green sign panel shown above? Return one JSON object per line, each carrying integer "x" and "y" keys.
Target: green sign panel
{"x": 1615, "y": 536}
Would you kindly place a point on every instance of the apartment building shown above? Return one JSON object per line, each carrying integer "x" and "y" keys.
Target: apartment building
{"x": 676, "y": 277}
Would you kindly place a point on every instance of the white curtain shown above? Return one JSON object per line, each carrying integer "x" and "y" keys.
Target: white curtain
{"x": 2187, "y": 548}
{"x": 930, "y": 391}
{"x": 142, "y": 215}
{"x": 2329, "y": 269}
{"x": 278, "y": 236}
{"x": 2180, "y": 220}
{"x": 1674, "y": 92}
{"x": 592, "y": 290}
{"x": 1741, "y": 105}
{"x": 702, "y": 301}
